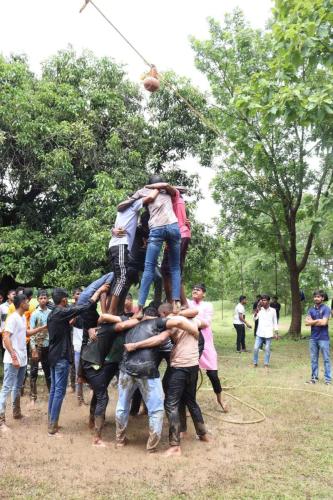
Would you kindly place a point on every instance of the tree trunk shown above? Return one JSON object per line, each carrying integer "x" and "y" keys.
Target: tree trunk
{"x": 296, "y": 306}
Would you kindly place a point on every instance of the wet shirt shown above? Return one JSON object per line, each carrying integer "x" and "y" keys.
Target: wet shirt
{"x": 160, "y": 210}
{"x": 321, "y": 312}
{"x": 142, "y": 363}
{"x": 97, "y": 350}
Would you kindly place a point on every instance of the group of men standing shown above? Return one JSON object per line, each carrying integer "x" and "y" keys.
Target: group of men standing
{"x": 266, "y": 316}
{"x": 116, "y": 341}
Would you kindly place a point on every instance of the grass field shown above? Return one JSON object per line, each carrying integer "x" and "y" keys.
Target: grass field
{"x": 288, "y": 456}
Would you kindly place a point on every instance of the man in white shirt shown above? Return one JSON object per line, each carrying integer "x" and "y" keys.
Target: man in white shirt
{"x": 121, "y": 243}
{"x": 3, "y": 315}
{"x": 239, "y": 324}
{"x": 267, "y": 329}
{"x": 15, "y": 358}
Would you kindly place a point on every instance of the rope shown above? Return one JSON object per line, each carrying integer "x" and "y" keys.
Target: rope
{"x": 198, "y": 114}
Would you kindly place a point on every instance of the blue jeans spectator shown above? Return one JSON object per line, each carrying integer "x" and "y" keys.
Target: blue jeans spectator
{"x": 59, "y": 376}
{"x": 157, "y": 236}
{"x": 324, "y": 347}
{"x": 257, "y": 345}
{"x": 12, "y": 382}
{"x": 153, "y": 396}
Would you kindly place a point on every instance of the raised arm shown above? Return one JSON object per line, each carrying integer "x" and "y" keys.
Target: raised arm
{"x": 183, "y": 324}
{"x": 148, "y": 343}
{"x": 150, "y": 197}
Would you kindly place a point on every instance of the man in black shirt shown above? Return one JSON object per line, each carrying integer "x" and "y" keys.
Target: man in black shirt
{"x": 60, "y": 348}
{"x": 139, "y": 369}
{"x": 276, "y": 306}
{"x": 98, "y": 371}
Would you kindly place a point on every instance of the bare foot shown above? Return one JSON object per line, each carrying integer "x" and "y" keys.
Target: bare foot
{"x": 266, "y": 369}
{"x": 98, "y": 443}
{"x": 205, "y": 438}
{"x": 173, "y": 451}
{"x": 91, "y": 423}
{"x": 32, "y": 404}
{"x": 55, "y": 435}
{"x": 4, "y": 428}
{"x": 120, "y": 444}
{"x": 143, "y": 411}
{"x": 183, "y": 435}
{"x": 176, "y": 306}
{"x": 138, "y": 315}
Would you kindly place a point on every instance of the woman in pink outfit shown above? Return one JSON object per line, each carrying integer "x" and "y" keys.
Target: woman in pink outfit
{"x": 208, "y": 359}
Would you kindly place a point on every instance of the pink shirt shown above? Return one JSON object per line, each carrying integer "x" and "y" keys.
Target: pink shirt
{"x": 208, "y": 360}
{"x": 178, "y": 205}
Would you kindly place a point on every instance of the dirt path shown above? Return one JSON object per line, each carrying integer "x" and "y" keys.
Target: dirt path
{"x": 76, "y": 468}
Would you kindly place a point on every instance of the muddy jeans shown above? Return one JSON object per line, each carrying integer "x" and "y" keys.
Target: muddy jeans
{"x": 152, "y": 394}
{"x": 182, "y": 388}
{"x": 43, "y": 357}
{"x": 12, "y": 383}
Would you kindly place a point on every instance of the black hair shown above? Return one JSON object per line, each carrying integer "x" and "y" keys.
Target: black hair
{"x": 200, "y": 285}
{"x": 10, "y": 291}
{"x": 150, "y": 311}
{"x": 258, "y": 297}
{"x": 19, "y": 289}
{"x": 28, "y": 292}
{"x": 324, "y": 295}
{"x": 165, "y": 307}
{"x": 275, "y": 297}
{"x": 77, "y": 289}
{"x": 129, "y": 295}
{"x": 265, "y": 297}
{"x": 155, "y": 178}
{"x": 18, "y": 299}
{"x": 42, "y": 293}
{"x": 242, "y": 297}
{"x": 58, "y": 294}
{"x": 2, "y": 293}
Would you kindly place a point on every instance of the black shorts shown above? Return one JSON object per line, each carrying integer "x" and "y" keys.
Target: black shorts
{"x": 119, "y": 264}
{"x": 184, "y": 243}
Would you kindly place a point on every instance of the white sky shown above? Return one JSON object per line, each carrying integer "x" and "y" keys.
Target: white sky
{"x": 159, "y": 30}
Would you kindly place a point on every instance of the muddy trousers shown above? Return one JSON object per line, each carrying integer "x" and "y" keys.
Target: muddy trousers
{"x": 99, "y": 381}
{"x": 182, "y": 389}
{"x": 152, "y": 394}
{"x": 12, "y": 383}
{"x": 43, "y": 357}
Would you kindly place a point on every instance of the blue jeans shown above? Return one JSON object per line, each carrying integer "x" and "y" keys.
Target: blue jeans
{"x": 324, "y": 347}
{"x": 152, "y": 394}
{"x": 59, "y": 376}
{"x": 12, "y": 382}
{"x": 258, "y": 343}
{"x": 171, "y": 235}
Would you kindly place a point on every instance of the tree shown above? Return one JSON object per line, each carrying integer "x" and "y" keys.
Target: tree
{"x": 72, "y": 144}
{"x": 274, "y": 146}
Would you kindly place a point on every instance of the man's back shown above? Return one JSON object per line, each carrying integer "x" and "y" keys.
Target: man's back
{"x": 143, "y": 362}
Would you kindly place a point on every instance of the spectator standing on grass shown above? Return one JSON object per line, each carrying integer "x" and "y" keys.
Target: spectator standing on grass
{"x": 318, "y": 317}
{"x": 267, "y": 329}
{"x": 275, "y": 305}
{"x": 239, "y": 324}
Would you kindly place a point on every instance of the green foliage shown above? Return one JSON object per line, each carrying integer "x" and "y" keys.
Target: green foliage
{"x": 272, "y": 113}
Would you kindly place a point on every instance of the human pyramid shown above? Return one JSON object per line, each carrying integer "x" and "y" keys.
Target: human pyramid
{"x": 120, "y": 341}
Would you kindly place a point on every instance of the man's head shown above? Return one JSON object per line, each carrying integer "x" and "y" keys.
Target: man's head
{"x": 2, "y": 296}
{"x": 265, "y": 300}
{"x": 11, "y": 295}
{"x": 21, "y": 302}
{"x": 42, "y": 298}
{"x": 20, "y": 289}
{"x": 155, "y": 178}
{"x": 60, "y": 297}
{"x": 128, "y": 303}
{"x": 198, "y": 291}
{"x": 275, "y": 299}
{"x": 318, "y": 297}
{"x": 324, "y": 294}
{"x": 165, "y": 309}
{"x": 150, "y": 311}
{"x": 258, "y": 297}
{"x": 28, "y": 292}
{"x": 243, "y": 299}
{"x": 76, "y": 294}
